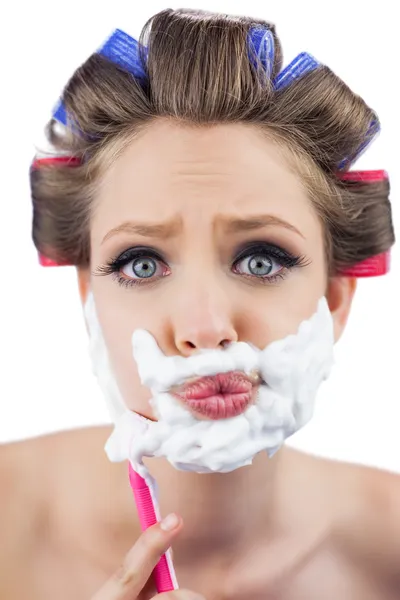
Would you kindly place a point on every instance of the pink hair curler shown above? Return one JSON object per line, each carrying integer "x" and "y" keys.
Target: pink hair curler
{"x": 148, "y": 511}
{"x": 364, "y": 176}
{"x": 375, "y": 265}
{"x": 69, "y": 161}
{"x": 48, "y": 262}
{"x": 371, "y": 267}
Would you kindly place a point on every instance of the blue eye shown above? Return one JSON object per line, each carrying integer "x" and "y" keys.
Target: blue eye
{"x": 265, "y": 262}
{"x": 142, "y": 268}
{"x": 135, "y": 266}
{"x": 261, "y": 262}
{"x": 257, "y": 265}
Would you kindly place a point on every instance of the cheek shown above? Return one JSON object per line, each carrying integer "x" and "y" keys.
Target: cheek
{"x": 280, "y": 309}
{"x": 117, "y": 327}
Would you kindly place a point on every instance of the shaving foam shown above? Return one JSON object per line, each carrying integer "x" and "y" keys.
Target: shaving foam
{"x": 291, "y": 370}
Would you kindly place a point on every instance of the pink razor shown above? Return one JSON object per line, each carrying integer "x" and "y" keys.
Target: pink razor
{"x": 147, "y": 507}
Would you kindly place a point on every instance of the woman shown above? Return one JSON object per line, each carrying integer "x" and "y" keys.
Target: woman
{"x": 204, "y": 203}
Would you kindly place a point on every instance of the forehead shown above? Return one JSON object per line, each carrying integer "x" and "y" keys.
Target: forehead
{"x": 172, "y": 150}
{"x": 171, "y": 168}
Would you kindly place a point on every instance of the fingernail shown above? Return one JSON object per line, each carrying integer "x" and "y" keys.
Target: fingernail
{"x": 170, "y": 522}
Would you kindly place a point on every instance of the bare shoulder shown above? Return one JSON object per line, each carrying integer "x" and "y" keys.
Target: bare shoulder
{"x": 17, "y": 500}
{"x": 35, "y": 464}
{"x": 50, "y": 485}
{"x": 20, "y": 509}
{"x": 369, "y": 527}
{"x": 31, "y": 472}
{"x": 363, "y": 508}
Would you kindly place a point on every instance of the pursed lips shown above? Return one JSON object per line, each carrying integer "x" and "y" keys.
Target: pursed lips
{"x": 219, "y": 396}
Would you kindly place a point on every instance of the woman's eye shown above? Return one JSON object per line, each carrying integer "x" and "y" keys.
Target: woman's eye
{"x": 143, "y": 267}
{"x": 263, "y": 262}
{"x": 259, "y": 265}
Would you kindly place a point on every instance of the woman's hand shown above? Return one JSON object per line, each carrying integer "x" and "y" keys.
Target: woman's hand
{"x": 128, "y": 581}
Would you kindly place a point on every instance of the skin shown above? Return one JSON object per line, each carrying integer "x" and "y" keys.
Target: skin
{"x": 257, "y": 532}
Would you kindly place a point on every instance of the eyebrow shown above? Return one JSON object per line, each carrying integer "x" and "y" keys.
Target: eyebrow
{"x": 172, "y": 228}
{"x": 156, "y": 230}
{"x": 257, "y": 222}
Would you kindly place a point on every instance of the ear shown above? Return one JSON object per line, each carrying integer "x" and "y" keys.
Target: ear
{"x": 340, "y": 293}
{"x": 84, "y": 288}
{"x": 83, "y": 284}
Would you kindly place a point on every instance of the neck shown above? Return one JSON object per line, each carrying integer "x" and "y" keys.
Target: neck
{"x": 221, "y": 511}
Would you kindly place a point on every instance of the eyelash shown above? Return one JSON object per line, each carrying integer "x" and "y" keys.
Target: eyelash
{"x": 287, "y": 260}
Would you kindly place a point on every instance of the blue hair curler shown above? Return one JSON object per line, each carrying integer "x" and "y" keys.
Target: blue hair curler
{"x": 261, "y": 42}
{"x": 302, "y": 64}
{"x": 124, "y": 51}
{"x": 373, "y": 130}
{"x": 305, "y": 63}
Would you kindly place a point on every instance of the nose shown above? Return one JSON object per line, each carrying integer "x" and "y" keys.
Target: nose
{"x": 203, "y": 318}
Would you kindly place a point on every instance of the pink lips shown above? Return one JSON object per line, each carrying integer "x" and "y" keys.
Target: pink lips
{"x": 220, "y": 396}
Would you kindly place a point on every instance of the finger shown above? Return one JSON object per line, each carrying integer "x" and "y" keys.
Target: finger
{"x": 130, "y": 578}
{"x": 179, "y": 595}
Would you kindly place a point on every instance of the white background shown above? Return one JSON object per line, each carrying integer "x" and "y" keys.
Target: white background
{"x": 46, "y": 381}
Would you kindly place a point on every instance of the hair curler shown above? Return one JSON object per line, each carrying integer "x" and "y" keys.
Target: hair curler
{"x": 375, "y": 265}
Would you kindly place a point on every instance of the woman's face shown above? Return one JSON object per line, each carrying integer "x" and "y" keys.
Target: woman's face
{"x": 212, "y": 239}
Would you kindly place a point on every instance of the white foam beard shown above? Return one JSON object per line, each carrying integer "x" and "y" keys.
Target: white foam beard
{"x": 291, "y": 369}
